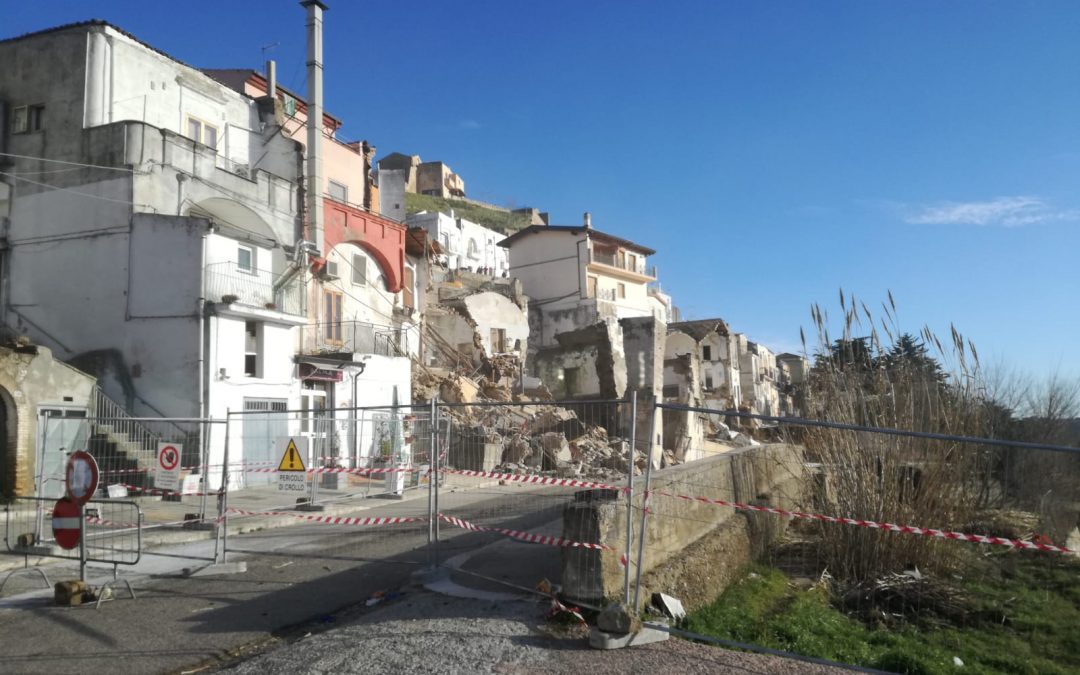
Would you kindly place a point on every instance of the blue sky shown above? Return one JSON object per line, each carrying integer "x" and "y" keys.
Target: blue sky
{"x": 772, "y": 152}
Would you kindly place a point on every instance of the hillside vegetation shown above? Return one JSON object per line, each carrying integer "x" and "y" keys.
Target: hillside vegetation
{"x": 501, "y": 221}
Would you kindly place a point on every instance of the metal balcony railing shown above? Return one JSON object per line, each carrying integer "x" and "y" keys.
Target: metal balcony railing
{"x": 226, "y": 283}
{"x": 355, "y": 337}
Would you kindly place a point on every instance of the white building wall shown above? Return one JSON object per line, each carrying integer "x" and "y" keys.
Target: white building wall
{"x": 551, "y": 268}
{"x": 455, "y": 235}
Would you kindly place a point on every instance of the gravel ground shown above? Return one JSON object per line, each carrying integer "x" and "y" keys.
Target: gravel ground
{"x": 425, "y": 632}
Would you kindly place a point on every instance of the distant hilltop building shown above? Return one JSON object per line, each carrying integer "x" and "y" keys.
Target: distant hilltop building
{"x": 424, "y": 178}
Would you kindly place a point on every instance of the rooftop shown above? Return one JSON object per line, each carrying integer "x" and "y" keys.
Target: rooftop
{"x": 595, "y": 234}
{"x": 699, "y": 329}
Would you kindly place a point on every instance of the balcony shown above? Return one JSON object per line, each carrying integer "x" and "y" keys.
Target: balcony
{"x": 634, "y": 265}
{"x": 227, "y": 284}
{"x": 354, "y": 337}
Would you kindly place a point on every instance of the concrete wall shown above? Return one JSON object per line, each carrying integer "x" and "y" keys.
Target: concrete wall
{"x": 551, "y": 267}
{"x": 642, "y": 343}
{"x": 30, "y": 380}
{"x": 392, "y": 194}
{"x": 770, "y": 475}
{"x": 490, "y": 310}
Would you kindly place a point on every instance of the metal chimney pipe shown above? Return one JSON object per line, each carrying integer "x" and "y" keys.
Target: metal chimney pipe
{"x": 271, "y": 78}
{"x": 588, "y": 220}
{"x": 315, "y": 9}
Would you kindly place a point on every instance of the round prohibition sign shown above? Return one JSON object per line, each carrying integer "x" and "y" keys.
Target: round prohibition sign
{"x": 169, "y": 458}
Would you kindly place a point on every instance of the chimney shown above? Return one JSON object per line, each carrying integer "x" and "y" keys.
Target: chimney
{"x": 315, "y": 9}
{"x": 588, "y": 220}
{"x": 271, "y": 79}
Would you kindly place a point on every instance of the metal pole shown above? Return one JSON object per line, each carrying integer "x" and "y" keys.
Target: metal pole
{"x": 39, "y": 488}
{"x": 206, "y": 429}
{"x": 221, "y": 553}
{"x": 630, "y": 496}
{"x": 436, "y": 478}
{"x": 318, "y": 450}
{"x": 645, "y": 504}
{"x": 431, "y": 478}
{"x": 82, "y": 543}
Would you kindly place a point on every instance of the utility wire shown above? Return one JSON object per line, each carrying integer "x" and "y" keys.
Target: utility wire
{"x": 76, "y": 192}
{"x": 60, "y": 161}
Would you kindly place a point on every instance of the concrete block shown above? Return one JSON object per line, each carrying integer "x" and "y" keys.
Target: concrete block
{"x": 599, "y": 639}
{"x": 619, "y": 619}
{"x": 70, "y": 593}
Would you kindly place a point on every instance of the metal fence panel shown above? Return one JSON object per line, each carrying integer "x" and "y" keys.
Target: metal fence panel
{"x": 113, "y": 530}
{"x": 900, "y": 531}
{"x": 512, "y": 475}
{"x": 345, "y": 460}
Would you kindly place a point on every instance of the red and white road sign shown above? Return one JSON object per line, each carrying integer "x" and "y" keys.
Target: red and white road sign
{"x": 65, "y": 523}
{"x": 167, "y": 472}
{"x": 82, "y": 476}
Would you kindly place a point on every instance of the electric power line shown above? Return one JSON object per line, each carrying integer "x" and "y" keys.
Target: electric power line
{"x": 60, "y": 161}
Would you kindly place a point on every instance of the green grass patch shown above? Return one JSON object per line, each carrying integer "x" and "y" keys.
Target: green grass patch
{"x": 501, "y": 221}
{"x": 1025, "y": 619}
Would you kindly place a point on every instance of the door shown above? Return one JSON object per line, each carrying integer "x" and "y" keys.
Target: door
{"x": 61, "y": 432}
{"x": 265, "y": 423}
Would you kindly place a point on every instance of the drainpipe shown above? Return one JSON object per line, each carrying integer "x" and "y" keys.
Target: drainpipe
{"x": 204, "y": 341}
{"x": 315, "y": 9}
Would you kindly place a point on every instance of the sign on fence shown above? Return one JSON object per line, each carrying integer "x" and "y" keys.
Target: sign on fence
{"x": 167, "y": 471}
{"x": 291, "y": 472}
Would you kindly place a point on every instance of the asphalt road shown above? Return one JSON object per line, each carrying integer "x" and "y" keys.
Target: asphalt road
{"x": 298, "y": 579}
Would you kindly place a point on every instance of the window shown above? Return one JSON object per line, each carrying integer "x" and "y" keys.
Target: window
{"x": 253, "y": 338}
{"x": 359, "y": 269}
{"x": 498, "y": 340}
{"x": 245, "y": 258}
{"x": 622, "y": 290}
{"x": 339, "y": 192}
{"x": 474, "y": 250}
{"x": 591, "y": 287}
{"x": 708, "y": 381}
{"x": 706, "y": 353}
{"x": 201, "y": 132}
{"x": 332, "y": 317}
{"x": 408, "y": 298}
{"x": 570, "y": 380}
{"x": 27, "y": 118}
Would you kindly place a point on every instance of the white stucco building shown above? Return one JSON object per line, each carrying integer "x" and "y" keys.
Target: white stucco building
{"x": 153, "y": 237}
{"x": 576, "y": 276}
{"x": 465, "y": 244}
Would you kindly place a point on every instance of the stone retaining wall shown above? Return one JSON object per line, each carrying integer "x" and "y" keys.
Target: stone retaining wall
{"x": 772, "y": 475}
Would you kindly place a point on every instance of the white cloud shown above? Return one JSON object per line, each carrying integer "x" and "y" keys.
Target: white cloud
{"x": 469, "y": 125}
{"x": 1002, "y": 211}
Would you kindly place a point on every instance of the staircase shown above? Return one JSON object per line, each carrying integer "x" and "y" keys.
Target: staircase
{"x": 124, "y": 448}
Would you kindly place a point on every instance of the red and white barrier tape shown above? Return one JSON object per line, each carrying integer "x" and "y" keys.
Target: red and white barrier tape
{"x": 359, "y": 472}
{"x": 1038, "y": 545}
{"x": 557, "y": 607}
{"x": 333, "y": 520}
{"x": 534, "y": 480}
{"x": 94, "y": 520}
{"x": 167, "y": 493}
{"x": 522, "y": 536}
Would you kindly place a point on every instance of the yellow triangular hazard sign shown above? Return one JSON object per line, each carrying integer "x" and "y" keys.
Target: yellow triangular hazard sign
{"x": 291, "y": 459}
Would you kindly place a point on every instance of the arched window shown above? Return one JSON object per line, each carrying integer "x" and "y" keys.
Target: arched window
{"x": 474, "y": 250}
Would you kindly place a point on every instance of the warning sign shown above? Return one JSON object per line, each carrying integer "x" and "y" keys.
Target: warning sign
{"x": 291, "y": 459}
{"x": 292, "y": 472}
{"x": 167, "y": 471}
